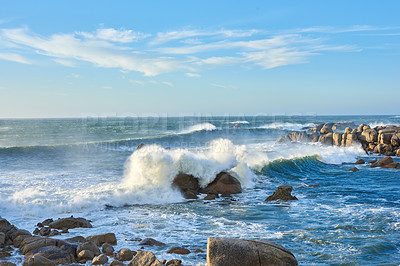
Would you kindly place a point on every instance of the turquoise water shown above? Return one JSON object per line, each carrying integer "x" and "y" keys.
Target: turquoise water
{"x": 88, "y": 167}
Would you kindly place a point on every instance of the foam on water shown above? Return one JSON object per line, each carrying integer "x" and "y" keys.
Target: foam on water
{"x": 286, "y": 126}
{"x": 199, "y": 127}
{"x": 240, "y": 122}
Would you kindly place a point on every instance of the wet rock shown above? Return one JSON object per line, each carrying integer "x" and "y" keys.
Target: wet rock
{"x": 174, "y": 262}
{"x": 88, "y": 246}
{"x": 59, "y": 253}
{"x": 38, "y": 260}
{"x": 107, "y": 249}
{"x": 211, "y": 197}
{"x": 36, "y": 231}
{"x": 224, "y": 183}
{"x": 151, "y": 242}
{"x": 2, "y": 238}
{"x": 386, "y": 162}
{"x": 70, "y": 223}
{"x": 99, "y": 260}
{"x": 46, "y": 222}
{"x": 360, "y": 161}
{"x": 125, "y": 254}
{"x": 373, "y": 161}
{"x": 138, "y": 147}
{"x": 354, "y": 169}
{"x": 228, "y": 251}
{"x": 187, "y": 184}
{"x": 326, "y": 129}
{"x": 4, "y": 254}
{"x": 282, "y": 193}
{"x": 64, "y": 231}
{"x": 18, "y": 240}
{"x": 179, "y": 250}
{"x": 76, "y": 239}
{"x": 198, "y": 251}
{"x": 7, "y": 263}
{"x": 104, "y": 238}
{"x": 116, "y": 263}
{"x": 45, "y": 231}
{"x": 145, "y": 258}
{"x": 85, "y": 255}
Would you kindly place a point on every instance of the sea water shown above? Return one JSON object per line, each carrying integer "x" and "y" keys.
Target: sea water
{"x": 89, "y": 167}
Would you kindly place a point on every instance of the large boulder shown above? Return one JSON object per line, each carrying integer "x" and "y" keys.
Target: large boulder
{"x": 38, "y": 260}
{"x": 224, "y": 183}
{"x": 386, "y": 162}
{"x": 125, "y": 254}
{"x": 395, "y": 141}
{"x": 145, "y": 258}
{"x": 385, "y": 138}
{"x": 100, "y": 260}
{"x": 326, "y": 129}
{"x": 369, "y": 135}
{"x": 104, "y": 238}
{"x": 326, "y": 139}
{"x": 187, "y": 184}
{"x": 237, "y": 252}
{"x": 58, "y": 255}
{"x": 70, "y": 223}
{"x": 337, "y": 138}
{"x": 384, "y": 149}
{"x": 282, "y": 193}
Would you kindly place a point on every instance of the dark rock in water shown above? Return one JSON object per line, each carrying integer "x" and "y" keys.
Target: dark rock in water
{"x": 314, "y": 186}
{"x": 88, "y": 246}
{"x": 386, "y": 162}
{"x": 151, "y": 242}
{"x": 224, "y": 183}
{"x": 7, "y": 263}
{"x": 38, "y": 260}
{"x": 125, "y": 254}
{"x": 45, "y": 231}
{"x": 174, "y": 262}
{"x": 145, "y": 258}
{"x": 4, "y": 254}
{"x": 373, "y": 161}
{"x": 187, "y": 184}
{"x": 46, "y": 222}
{"x": 107, "y": 249}
{"x": 57, "y": 254}
{"x": 179, "y": 250}
{"x": 100, "y": 260}
{"x": 211, "y": 197}
{"x": 226, "y": 195}
{"x": 228, "y": 251}
{"x": 354, "y": 169}
{"x": 76, "y": 239}
{"x": 116, "y": 263}
{"x": 198, "y": 251}
{"x": 360, "y": 161}
{"x": 85, "y": 255}
{"x": 70, "y": 223}
{"x": 282, "y": 193}
{"x": 139, "y": 146}
{"x": 104, "y": 238}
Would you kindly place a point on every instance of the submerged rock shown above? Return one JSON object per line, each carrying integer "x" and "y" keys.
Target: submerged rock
{"x": 282, "y": 193}
{"x": 151, "y": 242}
{"x": 354, "y": 169}
{"x": 179, "y": 250}
{"x": 386, "y": 162}
{"x": 360, "y": 161}
{"x": 228, "y": 251}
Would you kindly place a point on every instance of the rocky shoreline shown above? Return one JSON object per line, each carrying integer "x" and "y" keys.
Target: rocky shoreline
{"x": 382, "y": 140}
{"x": 43, "y": 250}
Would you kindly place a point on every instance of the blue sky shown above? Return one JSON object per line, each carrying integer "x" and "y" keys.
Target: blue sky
{"x": 138, "y": 58}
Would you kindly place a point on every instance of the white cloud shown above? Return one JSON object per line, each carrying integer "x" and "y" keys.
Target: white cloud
{"x": 193, "y": 75}
{"x": 122, "y": 36}
{"x": 64, "y": 62}
{"x": 168, "y": 83}
{"x": 14, "y": 58}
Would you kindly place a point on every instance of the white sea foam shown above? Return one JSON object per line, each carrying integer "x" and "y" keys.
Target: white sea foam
{"x": 286, "y": 126}
{"x": 240, "y": 122}
{"x": 199, "y": 127}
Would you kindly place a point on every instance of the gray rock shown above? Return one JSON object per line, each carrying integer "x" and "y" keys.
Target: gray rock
{"x": 104, "y": 238}
{"x": 100, "y": 260}
{"x": 143, "y": 258}
{"x": 282, "y": 193}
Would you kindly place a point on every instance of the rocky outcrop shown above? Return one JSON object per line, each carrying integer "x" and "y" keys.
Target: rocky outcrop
{"x": 232, "y": 252}
{"x": 224, "y": 183}
{"x": 386, "y": 162}
{"x": 103, "y": 238}
{"x": 384, "y": 140}
{"x": 145, "y": 258}
{"x": 70, "y": 223}
{"x": 282, "y": 193}
{"x": 187, "y": 184}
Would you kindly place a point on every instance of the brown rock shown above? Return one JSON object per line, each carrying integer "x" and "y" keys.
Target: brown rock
{"x": 369, "y": 135}
{"x": 224, "y": 183}
{"x": 104, "y": 238}
{"x": 76, "y": 239}
{"x": 385, "y": 138}
{"x": 100, "y": 260}
{"x": 151, "y": 242}
{"x": 326, "y": 139}
{"x": 187, "y": 184}
{"x": 46, "y": 222}
{"x": 386, "y": 162}
{"x": 198, "y": 251}
{"x": 211, "y": 197}
{"x": 351, "y": 139}
{"x": 354, "y": 169}
{"x": 179, "y": 250}
{"x": 60, "y": 254}
{"x": 7, "y": 263}
{"x": 174, "y": 262}
{"x": 4, "y": 254}
{"x": 2, "y": 238}
{"x": 337, "y": 138}
{"x": 85, "y": 255}
{"x": 17, "y": 241}
{"x": 383, "y": 148}
{"x": 45, "y": 231}
{"x": 38, "y": 260}
{"x": 326, "y": 129}
{"x": 125, "y": 254}
{"x": 228, "y": 251}
{"x": 347, "y": 130}
{"x": 107, "y": 249}
{"x": 88, "y": 246}
{"x": 145, "y": 258}
{"x": 360, "y": 161}
{"x": 282, "y": 193}
{"x": 373, "y": 161}
{"x": 395, "y": 140}
{"x": 70, "y": 223}
{"x": 116, "y": 263}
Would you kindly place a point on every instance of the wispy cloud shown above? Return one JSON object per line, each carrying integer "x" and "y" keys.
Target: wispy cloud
{"x": 222, "y": 86}
{"x": 14, "y": 58}
{"x": 193, "y": 75}
{"x": 188, "y": 51}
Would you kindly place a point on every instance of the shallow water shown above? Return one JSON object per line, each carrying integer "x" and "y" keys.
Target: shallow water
{"x": 89, "y": 167}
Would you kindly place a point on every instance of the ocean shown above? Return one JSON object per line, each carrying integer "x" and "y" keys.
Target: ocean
{"x": 89, "y": 167}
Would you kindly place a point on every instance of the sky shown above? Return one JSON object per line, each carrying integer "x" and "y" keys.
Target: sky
{"x": 172, "y": 58}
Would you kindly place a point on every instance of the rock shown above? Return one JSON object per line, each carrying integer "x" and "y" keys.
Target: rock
{"x": 385, "y": 138}
{"x": 138, "y": 147}
{"x": 179, "y": 250}
{"x": 198, "y": 251}
{"x": 369, "y": 135}
{"x": 36, "y": 231}
{"x": 88, "y": 246}
{"x": 351, "y": 139}
{"x": 282, "y": 193}
{"x": 7, "y": 263}
{"x": 70, "y": 223}
{"x": 361, "y": 127}
{"x": 383, "y": 148}
{"x": 354, "y": 169}
{"x": 116, "y": 263}
{"x": 343, "y": 125}
{"x": 316, "y": 129}
{"x": 224, "y": 183}
{"x": 61, "y": 254}
{"x": 360, "y": 161}
{"x": 17, "y": 241}
{"x": 5, "y": 225}
{"x": 395, "y": 140}
{"x": 85, "y": 255}
{"x": 326, "y": 129}
{"x": 104, "y": 238}
{"x": 76, "y": 239}
{"x": 398, "y": 153}
{"x": 125, "y": 254}
{"x": 163, "y": 261}
{"x": 4, "y": 254}
{"x": 38, "y": 260}
{"x": 337, "y": 138}
{"x": 99, "y": 260}
{"x": 326, "y": 139}
{"x": 64, "y": 231}
{"x": 228, "y": 251}
{"x": 211, "y": 197}
{"x": 46, "y": 222}
{"x": 187, "y": 184}
{"x": 107, "y": 249}
{"x": 2, "y": 238}
{"x": 174, "y": 262}
{"x": 373, "y": 161}
{"x": 347, "y": 130}
{"x": 151, "y": 242}
{"x": 45, "y": 231}
{"x": 386, "y": 162}
{"x": 145, "y": 258}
